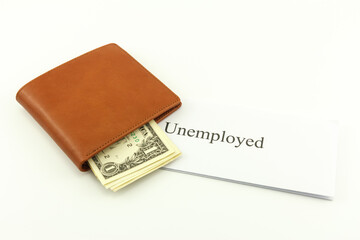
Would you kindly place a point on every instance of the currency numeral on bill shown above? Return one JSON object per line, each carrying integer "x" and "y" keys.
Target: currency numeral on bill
{"x": 136, "y": 155}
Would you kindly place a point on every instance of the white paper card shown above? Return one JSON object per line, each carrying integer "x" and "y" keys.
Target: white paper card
{"x": 280, "y": 152}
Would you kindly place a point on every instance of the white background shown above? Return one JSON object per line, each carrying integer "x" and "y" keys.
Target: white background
{"x": 294, "y": 57}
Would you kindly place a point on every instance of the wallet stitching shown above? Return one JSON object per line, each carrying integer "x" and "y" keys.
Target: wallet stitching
{"x": 120, "y": 134}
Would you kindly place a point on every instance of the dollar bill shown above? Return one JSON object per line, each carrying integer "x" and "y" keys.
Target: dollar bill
{"x": 136, "y": 155}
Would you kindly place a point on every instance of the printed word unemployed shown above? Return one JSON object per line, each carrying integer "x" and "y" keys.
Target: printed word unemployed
{"x": 213, "y": 136}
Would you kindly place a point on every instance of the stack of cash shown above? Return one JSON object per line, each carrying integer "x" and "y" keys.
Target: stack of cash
{"x": 139, "y": 153}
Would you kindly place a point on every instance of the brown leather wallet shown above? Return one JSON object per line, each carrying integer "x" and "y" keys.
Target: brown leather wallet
{"x": 94, "y": 100}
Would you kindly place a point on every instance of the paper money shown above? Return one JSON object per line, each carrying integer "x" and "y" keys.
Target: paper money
{"x": 136, "y": 155}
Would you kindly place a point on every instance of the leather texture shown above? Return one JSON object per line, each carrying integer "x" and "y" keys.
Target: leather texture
{"x": 94, "y": 100}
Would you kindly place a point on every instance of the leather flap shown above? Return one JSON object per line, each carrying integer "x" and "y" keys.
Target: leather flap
{"x": 92, "y": 101}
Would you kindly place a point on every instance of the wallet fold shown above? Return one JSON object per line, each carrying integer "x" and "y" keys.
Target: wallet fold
{"x": 92, "y": 101}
